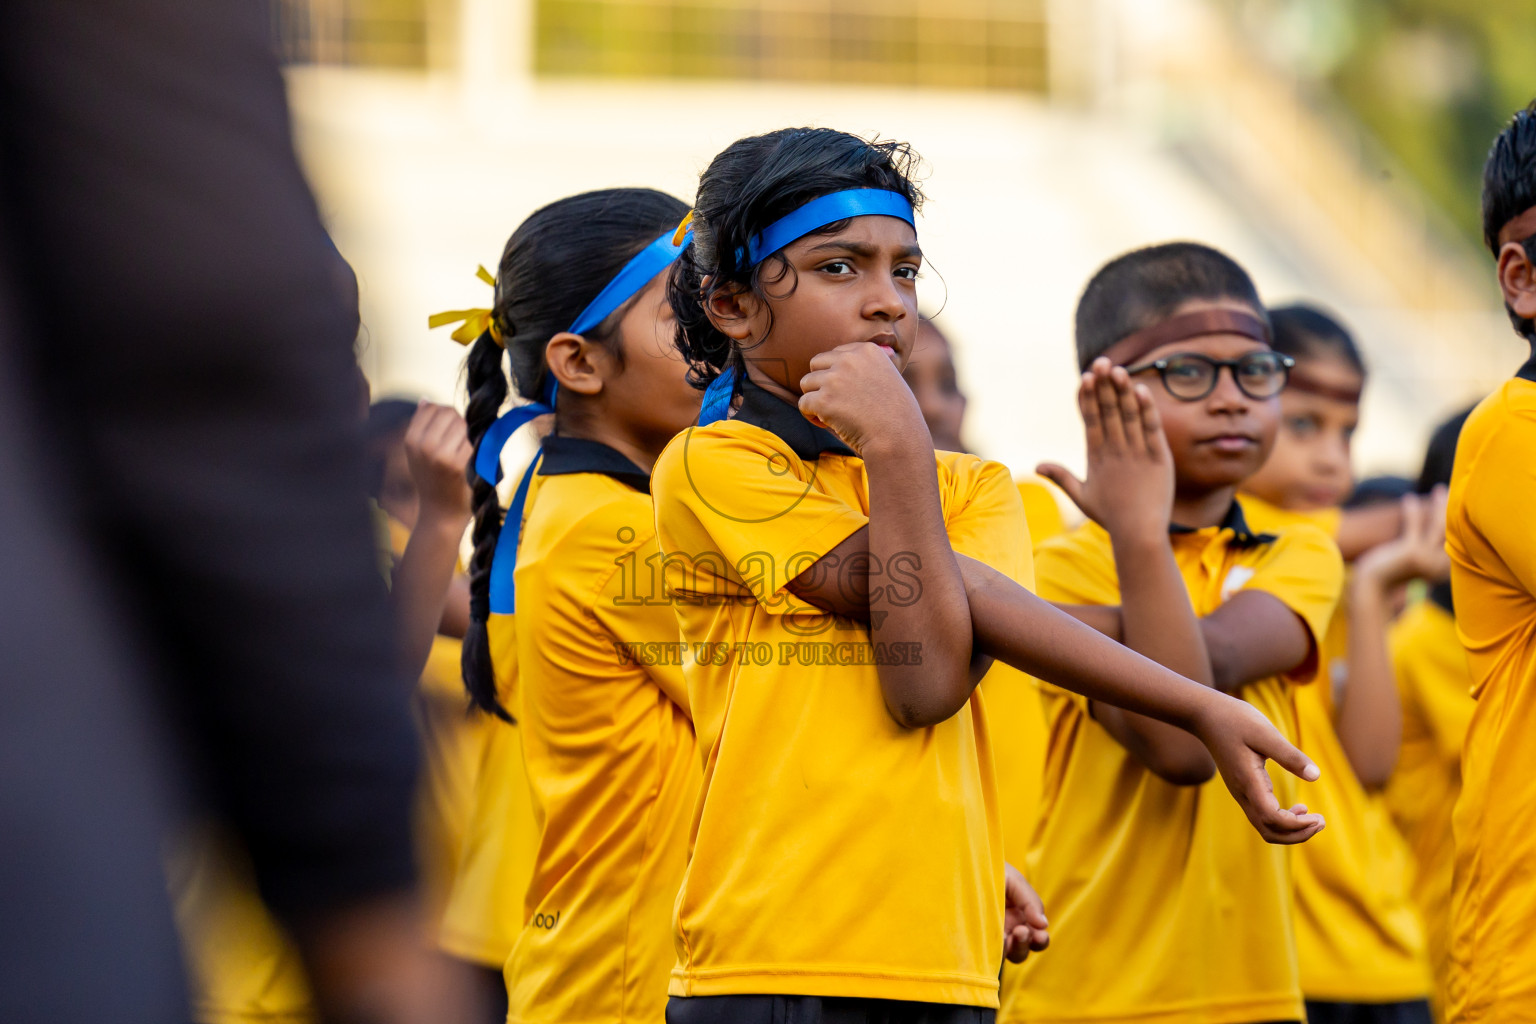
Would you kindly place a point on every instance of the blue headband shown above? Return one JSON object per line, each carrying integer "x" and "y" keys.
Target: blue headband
{"x": 818, "y": 213}
{"x": 635, "y": 275}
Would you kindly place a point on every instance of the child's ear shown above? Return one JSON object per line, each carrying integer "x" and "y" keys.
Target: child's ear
{"x": 1517, "y": 277}
{"x": 733, "y": 310}
{"x": 578, "y": 365}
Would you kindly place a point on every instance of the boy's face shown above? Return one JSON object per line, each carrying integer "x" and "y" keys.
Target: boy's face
{"x": 858, "y": 285}
{"x": 1310, "y": 465}
{"x": 1223, "y": 438}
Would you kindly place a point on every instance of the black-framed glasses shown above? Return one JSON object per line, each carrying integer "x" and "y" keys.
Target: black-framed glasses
{"x": 1190, "y": 377}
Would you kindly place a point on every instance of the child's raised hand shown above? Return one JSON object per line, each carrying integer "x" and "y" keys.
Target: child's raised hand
{"x": 438, "y": 451}
{"x": 856, "y": 391}
{"x": 1418, "y": 553}
{"x": 1024, "y": 923}
{"x": 1129, "y": 485}
{"x": 1240, "y": 740}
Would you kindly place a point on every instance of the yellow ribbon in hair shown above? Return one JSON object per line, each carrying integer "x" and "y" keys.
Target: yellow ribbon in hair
{"x": 475, "y": 322}
{"x": 677, "y": 236}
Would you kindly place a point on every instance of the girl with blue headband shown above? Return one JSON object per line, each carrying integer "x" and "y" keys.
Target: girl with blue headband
{"x": 849, "y": 587}
{"x": 591, "y": 670}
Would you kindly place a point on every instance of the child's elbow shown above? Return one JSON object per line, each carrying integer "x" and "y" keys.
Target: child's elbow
{"x": 1182, "y": 768}
{"x": 1374, "y": 772}
{"x": 914, "y": 715}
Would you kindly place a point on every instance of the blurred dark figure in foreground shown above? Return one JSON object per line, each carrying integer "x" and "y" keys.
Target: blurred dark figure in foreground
{"x": 190, "y": 600}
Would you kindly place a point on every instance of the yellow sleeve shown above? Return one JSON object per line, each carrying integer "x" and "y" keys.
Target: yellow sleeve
{"x": 736, "y": 502}
{"x": 1041, "y": 509}
{"x": 1077, "y": 567}
{"x": 1071, "y": 569}
{"x": 1501, "y": 494}
{"x": 1433, "y": 681}
{"x": 984, "y": 518}
{"x": 1305, "y": 572}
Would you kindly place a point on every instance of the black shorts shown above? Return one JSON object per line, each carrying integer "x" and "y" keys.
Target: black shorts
{"x": 818, "y": 1010}
{"x": 1414, "y": 1011}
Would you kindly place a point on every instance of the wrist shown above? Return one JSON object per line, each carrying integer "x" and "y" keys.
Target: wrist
{"x": 897, "y": 452}
{"x": 1139, "y": 538}
{"x": 1368, "y": 585}
{"x": 442, "y": 520}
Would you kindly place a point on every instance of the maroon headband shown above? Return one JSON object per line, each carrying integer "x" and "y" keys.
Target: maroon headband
{"x": 1181, "y": 328}
{"x": 1519, "y": 229}
{"x": 1312, "y": 386}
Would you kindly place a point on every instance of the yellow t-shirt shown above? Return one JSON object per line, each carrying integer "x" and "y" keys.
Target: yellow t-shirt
{"x": 1435, "y": 689}
{"x": 1165, "y": 904}
{"x": 1359, "y": 937}
{"x": 1041, "y": 509}
{"x": 607, "y": 742}
{"x": 834, "y": 853}
{"x": 485, "y": 908}
{"x": 1493, "y": 577}
{"x": 1013, "y": 709}
{"x": 242, "y": 966}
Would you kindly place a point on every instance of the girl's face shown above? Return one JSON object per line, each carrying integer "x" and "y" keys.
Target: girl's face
{"x": 857, "y": 285}
{"x": 1310, "y": 466}
{"x": 651, "y": 393}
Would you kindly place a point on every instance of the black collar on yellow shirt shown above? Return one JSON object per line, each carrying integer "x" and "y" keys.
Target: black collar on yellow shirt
{"x": 1528, "y": 371}
{"x": 578, "y": 455}
{"x": 779, "y": 417}
{"x": 1234, "y": 520}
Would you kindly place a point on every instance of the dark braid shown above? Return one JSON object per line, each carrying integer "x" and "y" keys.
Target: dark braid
{"x": 554, "y": 264}
{"x": 487, "y": 385}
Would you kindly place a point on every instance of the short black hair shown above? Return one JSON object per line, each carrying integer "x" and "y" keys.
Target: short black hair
{"x": 1441, "y": 454}
{"x": 1509, "y": 175}
{"x": 1379, "y": 490}
{"x": 1509, "y": 189}
{"x": 1304, "y": 331}
{"x": 388, "y": 420}
{"x": 1143, "y": 287}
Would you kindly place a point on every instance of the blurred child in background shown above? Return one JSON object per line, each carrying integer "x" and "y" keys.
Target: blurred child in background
{"x": 419, "y": 452}
{"x": 1435, "y": 691}
{"x": 1360, "y": 941}
{"x": 935, "y": 381}
{"x": 1166, "y": 906}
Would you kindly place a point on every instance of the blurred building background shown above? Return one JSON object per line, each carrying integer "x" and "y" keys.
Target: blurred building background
{"x": 1331, "y": 149}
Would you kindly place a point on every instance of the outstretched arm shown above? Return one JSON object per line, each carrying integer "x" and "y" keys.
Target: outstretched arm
{"x": 1014, "y": 626}
{"x": 1129, "y": 492}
